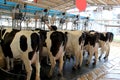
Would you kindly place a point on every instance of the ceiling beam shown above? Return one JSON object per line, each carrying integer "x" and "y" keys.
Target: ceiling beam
{"x": 90, "y": 1}
{"x": 65, "y": 8}
{"x": 51, "y": 1}
{"x": 115, "y": 2}
{"x": 72, "y": 6}
{"x": 62, "y": 4}
{"x": 103, "y": 2}
{"x": 47, "y": 3}
{"x": 29, "y": 3}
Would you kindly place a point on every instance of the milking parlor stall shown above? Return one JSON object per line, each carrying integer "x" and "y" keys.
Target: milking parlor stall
{"x": 59, "y": 40}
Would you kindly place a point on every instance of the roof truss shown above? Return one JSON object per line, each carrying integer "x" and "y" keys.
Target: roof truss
{"x": 64, "y": 5}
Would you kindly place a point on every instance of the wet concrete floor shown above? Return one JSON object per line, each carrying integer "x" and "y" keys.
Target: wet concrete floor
{"x": 69, "y": 74}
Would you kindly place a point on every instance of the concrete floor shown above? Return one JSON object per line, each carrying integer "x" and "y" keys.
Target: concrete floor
{"x": 110, "y": 70}
{"x": 102, "y": 71}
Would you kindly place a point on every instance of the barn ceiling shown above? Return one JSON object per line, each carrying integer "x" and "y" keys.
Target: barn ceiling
{"x": 64, "y": 5}
{"x": 55, "y": 7}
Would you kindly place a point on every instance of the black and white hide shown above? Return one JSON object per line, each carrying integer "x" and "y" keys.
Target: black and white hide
{"x": 24, "y": 45}
{"x": 104, "y": 43}
{"x": 91, "y": 46}
{"x": 54, "y": 42}
{"x": 74, "y": 46}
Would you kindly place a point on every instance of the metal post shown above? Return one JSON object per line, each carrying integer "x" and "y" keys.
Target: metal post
{"x": 35, "y": 23}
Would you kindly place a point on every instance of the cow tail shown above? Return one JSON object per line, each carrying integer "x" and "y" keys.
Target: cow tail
{"x": 65, "y": 39}
{"x": 40, "y": 46}
{"x": 111, "y": 37}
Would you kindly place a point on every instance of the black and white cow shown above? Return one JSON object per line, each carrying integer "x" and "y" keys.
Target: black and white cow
{"x": 91, "y": 46}
{"x": 74, "y": 46}
{"x": 54, "y": 44}
{"x": 104, "y": 43}
{"x": 24, "y": 45}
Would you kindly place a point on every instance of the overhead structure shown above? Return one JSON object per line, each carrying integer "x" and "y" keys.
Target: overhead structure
{"x": 64, "y": 5}
{"x": 31, "y": 7}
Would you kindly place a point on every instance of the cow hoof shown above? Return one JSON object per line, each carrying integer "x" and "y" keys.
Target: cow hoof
{"x": 79, "y": 67}
{"x": 48, "y": 64}
{"x": 100, "y": 59}
{"x": 94, "y": 59}
{"x": 86, "y": 60}
{"x": 49, "y": 75}
{"x": 94, "y": 63}
{"x": 105, "y": 58}
{"x": 37, "y": 78}
{"x": 87, "y": 65}
{"x": 60, "y": 74}
{"x": 74, "y": 68}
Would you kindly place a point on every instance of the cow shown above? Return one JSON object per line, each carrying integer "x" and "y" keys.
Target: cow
{"x": 54, "y": 45}
{"x": 104, "y": 43}
{"x": 24, "y": 45}
{"x": 74, "y": 46}
{"x": 3, "y": 31}
{"x": 91, "y": 46}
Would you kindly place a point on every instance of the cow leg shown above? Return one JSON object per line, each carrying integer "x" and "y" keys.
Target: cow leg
{"x": 100, "y": 56}
{"x": 81, "y": 55}
{"x": 81, "y": 58}
{"x": 8, "y": 63}
{"x": 96, "y": 54}
{"x": 23, "y": 66}
{"x": 53, "y": 63}
{"x": 61, "y": 62}
{"x": 27, "y": 66}
{"x": 96, "y": 58}
{"x": 77, "y": 60}
{"x": 48, "y": 62}
{"x": 89, "y": 59}
{"x": 102, "y": 52}
{"x": 12, "y": 63}
{"x": 90, "y": 55}
{"x": 37, "y": 67}
{"x": 107, "y": 51}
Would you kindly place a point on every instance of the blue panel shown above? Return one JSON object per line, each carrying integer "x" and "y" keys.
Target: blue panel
{"x": 54, "y": 12}
{"x": 29, "y": 11}
{"x": 34, "y": 8}
{"x": 5, "y": 7}
{"x": 1, "y": 1}
{"x": 11, "y": 3}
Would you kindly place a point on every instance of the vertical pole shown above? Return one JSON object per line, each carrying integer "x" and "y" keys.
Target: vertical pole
{"x": 4, "y": 1}
{"x": 35, "y": 23}
{"x": 20, "y": 25}
{"x": 36, "y": 17}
